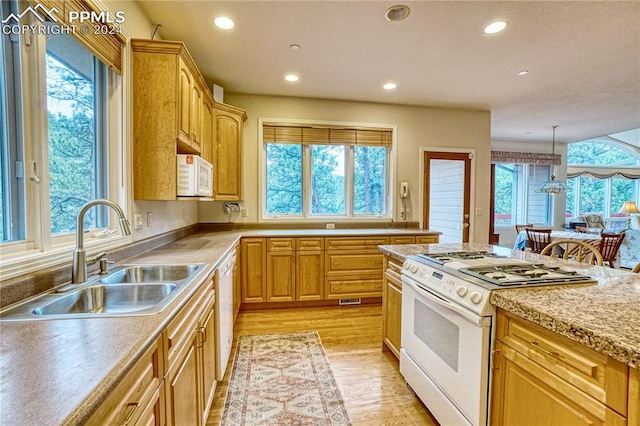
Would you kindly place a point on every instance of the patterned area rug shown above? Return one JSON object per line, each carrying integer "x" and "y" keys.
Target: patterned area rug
{"x": 282, "y": 379}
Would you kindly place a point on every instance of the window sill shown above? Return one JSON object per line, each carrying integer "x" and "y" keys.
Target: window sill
{"x": 30, "y": 261}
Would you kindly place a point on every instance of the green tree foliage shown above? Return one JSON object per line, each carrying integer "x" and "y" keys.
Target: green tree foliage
{"x": 71, "y": 130}
{"x": 284, "y": 174}
{"x": 370, "y": 165}
{"x": 327, "y": 179}
{"x": 284, "y": 178}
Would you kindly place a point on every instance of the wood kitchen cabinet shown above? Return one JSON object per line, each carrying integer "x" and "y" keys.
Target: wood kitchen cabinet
{"x": 392, "y": 305}
{"x": 169, "y": 95}
{"x": 228, "y": 124}
{"x": 254, "y": 269}
{"x": 139, "y": 397}
{"x": 281, "y": 270}
{"x": 190, "y": 359}
{"x": 353, "y": 267}
{"x": 309, "y": 269}
{"x": 541, "y": 377}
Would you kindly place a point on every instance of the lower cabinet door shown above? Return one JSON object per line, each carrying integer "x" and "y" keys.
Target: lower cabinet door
{"x": 153, "y": 414}
{"x": 183, "y": 392}
{"x": 392, "y": 322}
{"x": 281, "y": 275}
{"x": 309, "y": 275}
{"x": 527, "y": 394}
{"x": 208, "y": 363}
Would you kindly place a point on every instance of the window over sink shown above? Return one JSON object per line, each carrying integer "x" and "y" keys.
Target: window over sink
{"x": 62, "y": 131}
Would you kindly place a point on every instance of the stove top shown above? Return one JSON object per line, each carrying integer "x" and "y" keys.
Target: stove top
{"x": 525, "y": 274}
{"x": 442, "y": 258}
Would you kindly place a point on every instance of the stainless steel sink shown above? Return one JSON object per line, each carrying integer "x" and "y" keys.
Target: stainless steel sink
{"x": 108, "y": 299}
{"x": 126, "y": 290}
{"x": 150, "y": 273}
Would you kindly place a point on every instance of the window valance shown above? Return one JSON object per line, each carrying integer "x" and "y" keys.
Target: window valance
{"x": 319, "y": 135}
{"x": 103, "y": 39}
{"x": 604, "y": 172}
{"x": 525, "y": 158}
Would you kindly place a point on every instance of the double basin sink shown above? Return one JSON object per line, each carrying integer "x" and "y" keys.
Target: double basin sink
{"x": 126, "y": 290}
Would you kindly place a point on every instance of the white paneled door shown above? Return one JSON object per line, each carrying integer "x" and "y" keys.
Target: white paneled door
{"x": 447, "y": 181}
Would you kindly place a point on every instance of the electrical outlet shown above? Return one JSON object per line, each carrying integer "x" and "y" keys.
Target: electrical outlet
{"x": 245, "y": 212}
{"x": 137, "y": 221}
{"x": 331, "y": 226}
{"x": 149, "y": 219}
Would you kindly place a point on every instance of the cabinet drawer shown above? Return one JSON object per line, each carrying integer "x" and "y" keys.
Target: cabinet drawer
{"x": 309, "y": 244}
{"x": 596, "y": 374}
{"x": 427, "y": 239}
{"x": 352, "y": 286}
{"x": 355, "y": 243}
{"x": 280, "y": 244}
{"x": 130, "y": 397}
{"x": 403, "y": 240}
{"x": 179, "y": 333}
{"x": 350, "y": 263}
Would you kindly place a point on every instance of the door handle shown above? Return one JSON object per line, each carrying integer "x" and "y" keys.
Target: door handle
{"x": 465, "y": 225}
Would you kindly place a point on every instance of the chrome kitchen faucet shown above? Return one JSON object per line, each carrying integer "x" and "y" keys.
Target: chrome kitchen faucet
{"x": 79, "y": 268}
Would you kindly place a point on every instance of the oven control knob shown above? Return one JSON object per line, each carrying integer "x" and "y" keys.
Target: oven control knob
{"x": 476, "y": 297}
{"x": 462, "y": 291}
{"x": 406, "y": 265}
{"x": 414, "y": 269}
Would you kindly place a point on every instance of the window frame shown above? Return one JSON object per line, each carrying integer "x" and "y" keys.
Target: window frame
{"x": 522, "y": 205}
{"x": 40, "y": 249}
{"x": 306, "y": 215}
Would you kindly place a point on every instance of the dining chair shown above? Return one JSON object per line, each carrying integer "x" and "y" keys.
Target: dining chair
{"x": 538, "y": 239}
{"x": 594, "y": 221}
{"x": 609, "y": 247}
{"x": 579, "y": 251}
{"x": 522, "y": 227}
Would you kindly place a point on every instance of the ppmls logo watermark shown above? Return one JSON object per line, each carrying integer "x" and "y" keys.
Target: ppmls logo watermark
{"x": 40, "y": 20}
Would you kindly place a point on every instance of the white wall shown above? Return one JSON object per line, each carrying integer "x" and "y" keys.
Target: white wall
{"x": 165, "y": 215}
{"x": 508, "y": 234}
{"x": 417, "y": 127}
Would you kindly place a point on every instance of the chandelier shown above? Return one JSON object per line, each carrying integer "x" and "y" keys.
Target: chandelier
{"x": 553, "y": 186}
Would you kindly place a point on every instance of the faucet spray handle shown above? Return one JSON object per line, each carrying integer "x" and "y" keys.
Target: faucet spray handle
{"x": 96, "y": 258}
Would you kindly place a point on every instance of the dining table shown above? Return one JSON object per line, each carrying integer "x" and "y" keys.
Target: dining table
{"x": 593, "y": 239}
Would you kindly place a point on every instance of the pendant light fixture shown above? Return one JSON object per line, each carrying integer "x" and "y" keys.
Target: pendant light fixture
{"x": 553, "y": 186}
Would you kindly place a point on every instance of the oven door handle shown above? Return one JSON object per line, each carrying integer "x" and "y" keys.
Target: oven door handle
{"x": 467, "y": 315}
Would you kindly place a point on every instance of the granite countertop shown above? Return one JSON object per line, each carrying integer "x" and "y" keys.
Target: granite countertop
{"x": 55, "y": 372}
{"x": 604, "y": 316}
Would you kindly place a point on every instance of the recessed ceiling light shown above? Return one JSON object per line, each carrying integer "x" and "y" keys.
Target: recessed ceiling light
{"x": 291, "y": 78}
{"x": 389, "y": 86}
{"x": 397, "y": 13}
{"x": 523, "y": 72}
{"x": 294, "y": 47}
{"x": 495, "y": 27}
{"x": 224, "y": 22}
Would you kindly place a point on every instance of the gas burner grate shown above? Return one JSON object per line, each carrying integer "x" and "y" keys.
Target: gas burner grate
{"x": 520, "y": 275}
{"x": 442, "y": 258}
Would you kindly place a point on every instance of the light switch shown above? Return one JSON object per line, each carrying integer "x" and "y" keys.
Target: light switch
{"x": 137, "y": 221}
{"x": 149, "y": 219}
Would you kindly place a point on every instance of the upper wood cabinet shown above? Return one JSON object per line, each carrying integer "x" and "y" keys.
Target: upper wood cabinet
{"x": 169, "y": 94}
{"x": 228, "y": 123}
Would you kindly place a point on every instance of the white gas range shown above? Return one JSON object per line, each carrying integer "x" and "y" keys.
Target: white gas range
{"x": 447, "y": 322}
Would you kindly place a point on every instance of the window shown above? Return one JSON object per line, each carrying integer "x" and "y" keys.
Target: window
{"x": 11, "y": 152}
{"x": 325, "y": 172}
{"x": 602, "y": 176}
{"x": 76, "y": 115}
{"x": 516, "y": 197}
{"x": 58, "y": 146}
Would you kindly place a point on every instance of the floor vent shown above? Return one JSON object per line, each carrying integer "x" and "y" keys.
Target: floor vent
{"x": 350, "y": 301}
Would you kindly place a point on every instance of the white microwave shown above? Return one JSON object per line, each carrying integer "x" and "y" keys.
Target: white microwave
{"x": 195, "y": 176}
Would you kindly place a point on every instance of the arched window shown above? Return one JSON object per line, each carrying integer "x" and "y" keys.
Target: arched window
{"x": 602, "y": 175}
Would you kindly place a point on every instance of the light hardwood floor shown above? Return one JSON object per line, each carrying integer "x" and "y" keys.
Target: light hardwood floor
{"x": 373, "y": 390}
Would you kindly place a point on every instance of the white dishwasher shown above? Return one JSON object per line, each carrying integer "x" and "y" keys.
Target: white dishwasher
{"x": 224, "y": 315}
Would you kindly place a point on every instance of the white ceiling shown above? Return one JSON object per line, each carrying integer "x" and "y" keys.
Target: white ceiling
{"x": 583, "y": 57}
